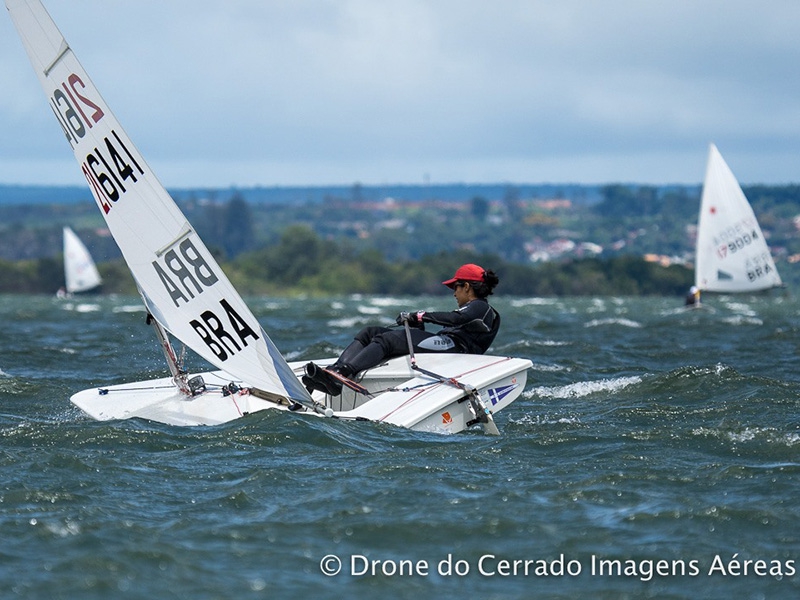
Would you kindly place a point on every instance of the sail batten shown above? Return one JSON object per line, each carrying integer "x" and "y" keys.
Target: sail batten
{"x": 181, "y": 282}
{"x": 732, "y": 254}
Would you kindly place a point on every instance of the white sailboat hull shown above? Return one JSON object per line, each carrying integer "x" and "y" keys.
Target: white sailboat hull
{"x": 401, "y": 395}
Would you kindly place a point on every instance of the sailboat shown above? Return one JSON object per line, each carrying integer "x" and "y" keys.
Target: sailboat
{"x": 80, "y": 272}
{"x": 189, "y": 297}
{"x": 732, "y": 255}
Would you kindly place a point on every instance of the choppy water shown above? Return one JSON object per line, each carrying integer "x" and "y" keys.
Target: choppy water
{"x": 655, "y": 453}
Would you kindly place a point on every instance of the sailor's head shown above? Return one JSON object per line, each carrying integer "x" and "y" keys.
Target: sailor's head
{"x": 694, "y": 290}
{"x": 471, "y": 280}
{"x": 466, "y": 273}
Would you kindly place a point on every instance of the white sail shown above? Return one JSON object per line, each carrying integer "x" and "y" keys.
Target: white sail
{"x": 732, "y": 254}
{"x": 182, "y": 285}
{"x": 80, "y": 271}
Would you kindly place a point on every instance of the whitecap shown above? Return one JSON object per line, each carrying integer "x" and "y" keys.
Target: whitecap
{"x": 741, "y": 308}
{"x": 522, "y": 302}
{"x": 553, "y": 343}
{"x": 273, "y": 305}
{"x": 386, "y": 301}
{"x": 612, "y": 321}
{"x": 792, "y": 439}
{"x": 743, "y": 320}
{"x": 87, "y": 308}
{"x": 346, "y": 323}
{"x": 749, "y": 434}
{"x": 547, "y": 368}
{"x": 129, "y": 308}
{"x": 544, "y": 420}
{"x": 583, "y": 388}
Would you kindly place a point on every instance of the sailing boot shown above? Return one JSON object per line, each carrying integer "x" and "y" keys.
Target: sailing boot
{"x": 321, "y": 380}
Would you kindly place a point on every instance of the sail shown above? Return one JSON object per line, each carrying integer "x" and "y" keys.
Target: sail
{"x": 182, "y": 285}
{"x": 732, "y": 254}
{"x": 80, "y": 271}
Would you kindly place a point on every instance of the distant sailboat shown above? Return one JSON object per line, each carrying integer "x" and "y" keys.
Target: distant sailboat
{"x": 80, "y": 272}
{"x": 732, "y": 255}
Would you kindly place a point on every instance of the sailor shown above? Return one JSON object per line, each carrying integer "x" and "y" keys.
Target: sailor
{"x": 469, "y": 329}
{"x": 693, "y": 297}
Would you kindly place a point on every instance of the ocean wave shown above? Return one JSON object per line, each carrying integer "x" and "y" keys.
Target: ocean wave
{"x": 740, "y": 307}
{"x": 548, "y": 368}
{"x": 754, "y": 434}
{"x": 83, "y": 307}
{"x": 539, "y": 420}
{"x": 522, "y": 302}
{"x": 742, "y": 320}
{"x": 583, "y": 388}
{"x": 385, "y": 301}
{"x": 549, "y": 343}
{"x": 613, "y": 321}
{"x": 130, "y": 308}
{"x": 355, "y": 322}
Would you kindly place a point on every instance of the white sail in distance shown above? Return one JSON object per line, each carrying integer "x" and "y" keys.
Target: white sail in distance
{"x": 731, "y": 254}
{"x": 80, "y": 272}
{"x": 182, "y": 285}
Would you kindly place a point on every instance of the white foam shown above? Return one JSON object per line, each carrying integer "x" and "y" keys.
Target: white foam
{"x": 547, "y": 368}
{"x": 749, "y": 434}
{"x": 521, "y": 302}
{"x": 584, "y": 388}
{"x": 386, "y": 301}
{"x": 613, "y": 321}
{"x": 87, "y": 308}
{"x": 130, "y": 308}
{"x": 743, "y": 320}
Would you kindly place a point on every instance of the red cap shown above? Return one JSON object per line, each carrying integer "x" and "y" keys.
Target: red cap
{"x": 468, "y": 272}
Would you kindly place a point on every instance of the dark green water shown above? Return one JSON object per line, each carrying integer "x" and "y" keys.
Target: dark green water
{"x": 655, "y": 453}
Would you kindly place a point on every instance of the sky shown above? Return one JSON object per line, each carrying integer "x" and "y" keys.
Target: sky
{"x": 331, "y": 92}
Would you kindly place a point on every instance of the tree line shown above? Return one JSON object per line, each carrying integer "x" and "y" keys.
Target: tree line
{"x": 302, "y": 262}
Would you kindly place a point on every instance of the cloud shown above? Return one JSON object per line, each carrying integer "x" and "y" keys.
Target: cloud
{"x": 315, "y": 92}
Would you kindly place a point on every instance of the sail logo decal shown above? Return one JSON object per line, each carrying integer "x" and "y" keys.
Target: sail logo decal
{"x": 496, "y": 395}
{"x": 110, "y": 165}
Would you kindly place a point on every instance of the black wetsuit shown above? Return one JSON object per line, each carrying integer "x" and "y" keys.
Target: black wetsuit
{"x": 470, "y": 329}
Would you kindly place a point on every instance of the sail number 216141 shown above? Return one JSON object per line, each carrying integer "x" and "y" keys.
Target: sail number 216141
{"x": 110, "y": 165}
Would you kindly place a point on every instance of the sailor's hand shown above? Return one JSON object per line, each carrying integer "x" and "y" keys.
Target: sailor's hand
{"x": 414, "y": 319}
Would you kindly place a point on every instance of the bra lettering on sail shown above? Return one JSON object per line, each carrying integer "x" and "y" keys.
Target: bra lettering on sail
{"x": 222, "y": 340}
{"x": 188, "y": 268}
